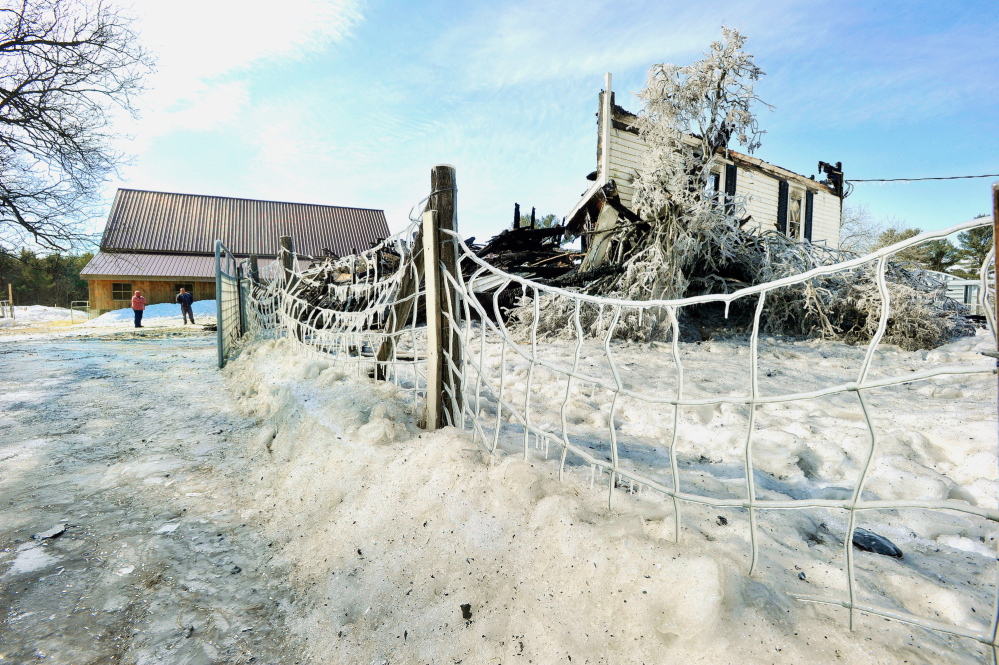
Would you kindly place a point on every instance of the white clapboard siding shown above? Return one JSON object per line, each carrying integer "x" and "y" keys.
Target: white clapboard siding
{"x": 825, "y": 218}
{"x": 626, "y": 151}
{"x": 760, "y": 192}
{"x": 757, "y": 186}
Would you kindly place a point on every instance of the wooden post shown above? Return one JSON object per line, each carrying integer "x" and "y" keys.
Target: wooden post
{"x": 435, "y": 355}
{"x": 516, "y": 215}
{"x": 995, "y": 244}
{"x": 442, "y": 201}
{"x": 606, "y": 123}
{"x": 286, "y": 253}
{"x": 399, "y": 317}
{"x": 10, "y": 299}
{"x": 254, "y": 268}
{"x": 533, "y": 216}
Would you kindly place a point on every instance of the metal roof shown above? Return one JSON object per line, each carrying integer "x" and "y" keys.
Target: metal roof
{"x": 162, "y": 266}
{"x": 142, "y": 221}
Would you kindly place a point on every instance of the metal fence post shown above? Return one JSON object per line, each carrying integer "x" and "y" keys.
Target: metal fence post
{"x": 218, "y": 301}
{"x": 241, "y": 300}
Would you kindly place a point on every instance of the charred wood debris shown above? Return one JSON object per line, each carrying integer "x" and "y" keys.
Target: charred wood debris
{"x": 526, "y": 250}
{"x": 826, "y": 306}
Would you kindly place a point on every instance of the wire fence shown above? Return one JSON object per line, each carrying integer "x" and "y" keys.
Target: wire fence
{"x": 231, "y": 292}
{"x": 519, "y": 385}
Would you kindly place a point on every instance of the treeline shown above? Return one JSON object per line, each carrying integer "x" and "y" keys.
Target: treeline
{"x": 861, "y": 234}
{"x": 51, "y": 279}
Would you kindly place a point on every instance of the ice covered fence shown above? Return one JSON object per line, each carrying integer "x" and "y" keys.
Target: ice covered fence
{"x": 640, "y": 418}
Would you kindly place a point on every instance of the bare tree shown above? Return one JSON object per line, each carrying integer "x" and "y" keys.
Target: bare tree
{"x": 858, "y": 231}
{"x": 65, "y": 66}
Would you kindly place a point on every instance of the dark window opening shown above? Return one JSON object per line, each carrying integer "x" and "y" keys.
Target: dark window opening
{"x": 121, "y": 291}
{"x": 187, "y": 286}
{"x": 794, "y": 219}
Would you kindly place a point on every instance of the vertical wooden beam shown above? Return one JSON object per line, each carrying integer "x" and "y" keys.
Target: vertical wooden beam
{"x": 995, "y": 244}
{"x": 606, "y": 123}
{"x": 516, "y": 215}
{"x": 255, "y": 268}
{"x": 10, "y": 299}
{"x": 286, "y": 254}
{"x": 443, "y": 201}
{"x": 435, "y": 355}
{"x": 399, "y": 317}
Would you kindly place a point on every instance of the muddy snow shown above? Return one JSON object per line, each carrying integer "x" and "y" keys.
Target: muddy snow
{"x": 286, "y": 511}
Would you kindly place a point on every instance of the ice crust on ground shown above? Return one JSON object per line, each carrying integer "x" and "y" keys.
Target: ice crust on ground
{"x": 387, "y": 530}
{"x": 161, "y": 314}
{"x": 132, "y": 451}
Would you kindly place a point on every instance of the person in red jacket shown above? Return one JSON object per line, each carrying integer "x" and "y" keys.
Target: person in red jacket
{"x": 138, "y": 305}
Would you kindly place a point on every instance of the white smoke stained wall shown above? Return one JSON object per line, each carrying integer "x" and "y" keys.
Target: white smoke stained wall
{"x": 389, "y": 530}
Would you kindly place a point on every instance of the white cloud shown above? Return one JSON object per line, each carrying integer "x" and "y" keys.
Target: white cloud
{"x": 541, "y": 40}
{"x": 205, "y": 49}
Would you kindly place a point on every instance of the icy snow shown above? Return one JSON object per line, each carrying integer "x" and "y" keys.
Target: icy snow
{"x": 359, "y": 536}
{"x": 163, "y": 313}
{"x": 41, "y": 314}
{"x": 388, "y": 530}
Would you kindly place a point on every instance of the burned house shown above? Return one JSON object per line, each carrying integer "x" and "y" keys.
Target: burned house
{"x": 776, "y": 199}
{"x": 158, "y": 242}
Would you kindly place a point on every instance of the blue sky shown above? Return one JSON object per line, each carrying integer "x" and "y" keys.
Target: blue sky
{"x": 351, "y": 102}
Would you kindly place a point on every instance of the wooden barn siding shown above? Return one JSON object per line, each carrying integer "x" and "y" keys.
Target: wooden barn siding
{"x": 155, "y": 292}
{"x": 760, "y": 190}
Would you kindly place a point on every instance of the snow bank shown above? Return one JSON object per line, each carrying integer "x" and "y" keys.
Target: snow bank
{"x": 416, "y": 547}
{"x": 161, "y": 314}
{"x": 42, "y": 314}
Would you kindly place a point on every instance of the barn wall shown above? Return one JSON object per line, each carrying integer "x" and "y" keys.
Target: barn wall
{"x": 155, "y": 291}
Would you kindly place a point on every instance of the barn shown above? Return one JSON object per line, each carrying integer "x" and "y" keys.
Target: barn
{"x": 158, "y": 242}
{"x": 805, "y": 209}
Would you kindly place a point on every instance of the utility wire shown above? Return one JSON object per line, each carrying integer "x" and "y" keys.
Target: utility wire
{"x": 951, "y": 177}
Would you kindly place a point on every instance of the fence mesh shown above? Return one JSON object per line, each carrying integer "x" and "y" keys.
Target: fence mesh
{"x": 229, "y": 289}
{"x": 562, "y": 394}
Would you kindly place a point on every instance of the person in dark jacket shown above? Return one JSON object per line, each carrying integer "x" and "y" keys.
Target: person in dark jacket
{"x": 138, "y": 306}
{"x": 185, "y": 300}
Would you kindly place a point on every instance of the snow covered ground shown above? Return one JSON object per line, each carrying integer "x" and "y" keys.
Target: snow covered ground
{"x": 361, "y": 539}
{"x": 403, "y": 528}
{"x": 127, "y": 444}
{"x": 30, "y": 314}
{"x": 155, "y": 315}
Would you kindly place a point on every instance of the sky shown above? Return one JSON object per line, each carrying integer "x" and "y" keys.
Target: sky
{"x": 351, "y": 102}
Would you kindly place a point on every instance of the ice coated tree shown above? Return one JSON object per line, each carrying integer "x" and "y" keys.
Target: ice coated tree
{"x": 65, "y": 66}
{"x": 689, "y": 114}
